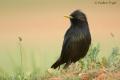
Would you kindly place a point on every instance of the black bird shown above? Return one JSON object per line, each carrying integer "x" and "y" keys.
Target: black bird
{"x": 77, "y": 40}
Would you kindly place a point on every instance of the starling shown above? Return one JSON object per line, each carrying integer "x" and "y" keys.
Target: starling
{"x": 77, "y": 40}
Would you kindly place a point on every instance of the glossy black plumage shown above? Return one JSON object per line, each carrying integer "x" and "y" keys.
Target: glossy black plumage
{"x": 76, "y": 40}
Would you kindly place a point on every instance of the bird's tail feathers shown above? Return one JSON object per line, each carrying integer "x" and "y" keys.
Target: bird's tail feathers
{"x": 56, "y": 64}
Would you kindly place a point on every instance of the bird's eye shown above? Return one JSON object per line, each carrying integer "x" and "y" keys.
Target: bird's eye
{"x": 82, "y": 18}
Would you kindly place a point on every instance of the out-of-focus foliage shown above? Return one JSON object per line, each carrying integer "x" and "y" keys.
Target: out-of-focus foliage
{"x": 89, "y": 68}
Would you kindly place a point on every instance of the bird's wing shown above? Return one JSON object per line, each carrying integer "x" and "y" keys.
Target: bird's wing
{"x": 71, "y": 38}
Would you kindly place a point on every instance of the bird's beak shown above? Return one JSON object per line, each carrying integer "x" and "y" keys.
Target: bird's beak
{"x": 70, "y": 17}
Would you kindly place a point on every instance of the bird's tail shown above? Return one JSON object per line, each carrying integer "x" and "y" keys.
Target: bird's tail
{"x": 56, "y": 64}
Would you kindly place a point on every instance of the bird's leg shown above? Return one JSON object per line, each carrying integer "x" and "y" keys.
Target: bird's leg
{"x": 58, "y": 67}
{"x": 67, "y": 64}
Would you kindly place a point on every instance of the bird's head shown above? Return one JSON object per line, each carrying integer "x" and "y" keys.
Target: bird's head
{"x": 77, "y": 17}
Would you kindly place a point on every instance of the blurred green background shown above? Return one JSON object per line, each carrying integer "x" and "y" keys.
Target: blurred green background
{"x": 42, "y": 26}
